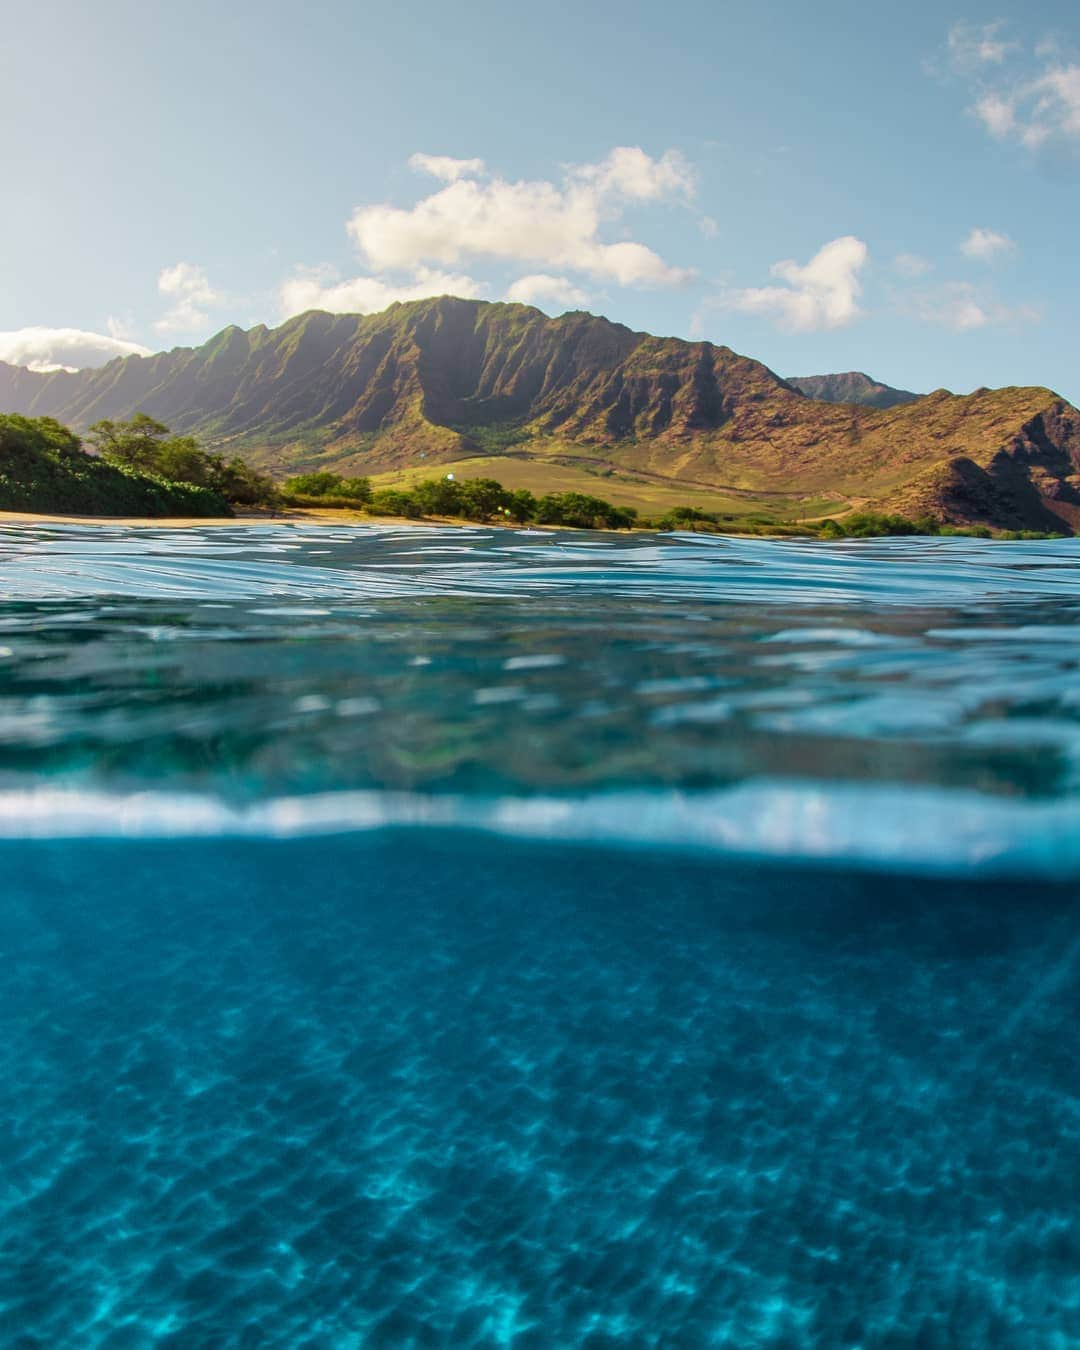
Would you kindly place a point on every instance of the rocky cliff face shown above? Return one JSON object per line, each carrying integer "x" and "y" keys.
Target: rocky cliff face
{"x": 438, "y": 381}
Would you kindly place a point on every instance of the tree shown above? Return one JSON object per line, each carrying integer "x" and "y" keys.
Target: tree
{"x": 357, "y": 488}
{"x": 148, "y": 446}
{"x": 481, "y": 498}
{"x": 522, "y": 505}
{"x": 583, "y": 512}
{"x": 438, "y": 497}
{"x": 135, "y": 443}
{"x": 390, "y": 502}
{"x": 320, "y": 484}
{"x": 240, "y": 484}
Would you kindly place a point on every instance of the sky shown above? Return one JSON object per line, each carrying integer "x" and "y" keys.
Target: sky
{"x": 827, "y": 187}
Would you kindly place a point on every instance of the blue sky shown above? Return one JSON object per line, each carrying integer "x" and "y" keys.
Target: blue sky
{"x": 825, "y": 187}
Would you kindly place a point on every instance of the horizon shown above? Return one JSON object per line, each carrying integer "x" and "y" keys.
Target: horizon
{"x": 899, "y": 204}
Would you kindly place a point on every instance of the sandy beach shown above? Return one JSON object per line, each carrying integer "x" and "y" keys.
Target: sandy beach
{"x": 295, "y": 516}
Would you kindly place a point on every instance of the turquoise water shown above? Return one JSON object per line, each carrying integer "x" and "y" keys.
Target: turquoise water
{"x": 488, "y": 938}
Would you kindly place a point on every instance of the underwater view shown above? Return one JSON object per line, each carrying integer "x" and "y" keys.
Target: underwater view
{"x": 483, "y": 937}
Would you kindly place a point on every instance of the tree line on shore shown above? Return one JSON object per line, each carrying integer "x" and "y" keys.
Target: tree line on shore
{"x": 139, "y": 467}
{"x": 485, "y": 499}
{"x": 480, "y": 499}
{"x": 136, "y": 468}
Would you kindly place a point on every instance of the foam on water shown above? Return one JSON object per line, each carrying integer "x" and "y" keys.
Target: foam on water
{"x": 942, "y": 834}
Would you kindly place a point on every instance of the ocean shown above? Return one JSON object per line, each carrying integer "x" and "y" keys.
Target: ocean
{"x": 472, "y": 937}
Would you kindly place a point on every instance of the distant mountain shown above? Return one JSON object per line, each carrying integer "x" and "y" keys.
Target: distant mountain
{"x": 504, "y": 390}
{"x": 852, "y": 387}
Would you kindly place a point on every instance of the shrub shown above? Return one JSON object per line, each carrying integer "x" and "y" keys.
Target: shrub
{"x": 522, "y": 506}
{"x": 43, "y": 467}
{"x": 438, "y": 496}
{"x": 326, "y": 484}
{"x": 874, "y": 524}
{"x": 147, "y": 446}
{"x": 688, "y": 518}
{"x": 582, "y": 512}
{"x": 391, "y": 502}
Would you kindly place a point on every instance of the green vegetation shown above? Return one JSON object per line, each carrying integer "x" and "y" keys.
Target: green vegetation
{"x": 486, "y": 499}
{"x": 324, "y": 488}
{"x": 870, "y": 525}
{"x": 1030, "y": 534}
{"x": 145, "y": 446}
{"x": 43, "y": 467}
{"x": 494, "y": 438}
{"x": 391, "y": 502}
{"x": 583, "y": 512}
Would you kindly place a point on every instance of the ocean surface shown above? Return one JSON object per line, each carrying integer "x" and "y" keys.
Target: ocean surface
{"x": 467, "y": 937}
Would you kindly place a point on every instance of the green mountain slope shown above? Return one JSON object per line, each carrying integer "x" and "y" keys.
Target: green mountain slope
{"x": 556, "y": 402}
{"x": 851, "y": 387}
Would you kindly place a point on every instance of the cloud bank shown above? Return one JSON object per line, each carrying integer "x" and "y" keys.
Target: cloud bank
{"x": 47, "y": 349}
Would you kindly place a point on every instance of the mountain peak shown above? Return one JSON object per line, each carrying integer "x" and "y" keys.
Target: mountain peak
{"x": 853, "y": 386}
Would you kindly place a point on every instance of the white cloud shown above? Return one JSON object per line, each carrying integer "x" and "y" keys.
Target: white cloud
{"x": 45, "y": 349}
{"x": 559, "y": 225}
{"x": 1035, "y": 102}
{"x": 997, "y": 114}
{"x": 1035, "y": 111}
{"x": 190, "y": 292}
{"x": 822, "y": 293}
{"x": 319, "y": 288}
{"x": 971, "y": 46}
{"x": 962, "y": 307}
{"x": 555, "y": 293}
{"x": 120, "y": 326}
{"x": 630, "y": 173}
{"x": 912, "y": 265}
{"x": 985, "y": 245}
{"x": 445, "y": 167}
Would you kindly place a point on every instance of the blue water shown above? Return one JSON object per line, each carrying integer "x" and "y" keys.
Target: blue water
{"x": 481, "y": 938}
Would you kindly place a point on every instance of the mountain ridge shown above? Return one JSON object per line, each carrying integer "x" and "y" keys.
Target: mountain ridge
{"x": 852, "y": 386}
{"x": 482, "y": 384}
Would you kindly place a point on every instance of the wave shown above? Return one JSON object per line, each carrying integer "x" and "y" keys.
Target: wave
{"x": 370, "y": 562}
{"x": 925, "y": 831}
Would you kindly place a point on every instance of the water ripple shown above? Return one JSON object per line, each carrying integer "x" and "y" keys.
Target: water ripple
{"x": 367, "y": 561}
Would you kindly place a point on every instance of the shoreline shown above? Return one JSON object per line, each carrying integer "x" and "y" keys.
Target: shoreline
{"x": 298, "y": 515}
{"x": 295, "y": 516}
{"x": 311, "y": 515}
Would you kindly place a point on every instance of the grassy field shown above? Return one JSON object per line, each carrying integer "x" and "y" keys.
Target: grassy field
{"x": 648, "y": 496}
